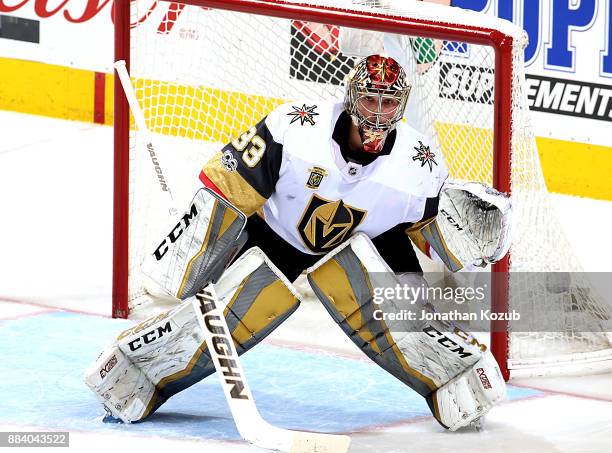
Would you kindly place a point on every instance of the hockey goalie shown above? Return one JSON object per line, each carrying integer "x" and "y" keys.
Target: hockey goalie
{"x": 341, "y": 190}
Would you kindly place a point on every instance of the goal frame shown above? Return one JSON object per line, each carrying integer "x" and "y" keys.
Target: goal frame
{"x": 500, "y": 42}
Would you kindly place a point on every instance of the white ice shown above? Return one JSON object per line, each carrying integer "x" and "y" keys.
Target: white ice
{"x": 55, "y": 237}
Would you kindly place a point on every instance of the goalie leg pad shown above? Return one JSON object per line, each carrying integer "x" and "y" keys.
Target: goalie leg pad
{"x": 197, "y": 248}
{"x": 423, "y": 354}
{"x": 166, "y": 354}
{"x": 468, "y": 396}
{"x": 123, "y": 389}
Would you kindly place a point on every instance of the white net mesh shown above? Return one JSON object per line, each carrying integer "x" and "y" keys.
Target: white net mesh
{"x": 204, "y": 76}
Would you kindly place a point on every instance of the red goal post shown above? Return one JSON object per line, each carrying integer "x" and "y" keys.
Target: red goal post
{"x": 503, "y": 142}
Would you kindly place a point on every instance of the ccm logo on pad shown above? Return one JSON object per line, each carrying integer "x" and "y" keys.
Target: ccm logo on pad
{"x": 150, "y": 336}
{"x": 176, "y": 232}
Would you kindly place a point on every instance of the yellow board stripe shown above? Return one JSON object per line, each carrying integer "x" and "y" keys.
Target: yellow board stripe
{"x": 576, "y": 168}
{"x": 468, "y": 152}
{"x": 62, "y": 92}
{"x": 48, "y": 90}
{"x": 193, "y": 111}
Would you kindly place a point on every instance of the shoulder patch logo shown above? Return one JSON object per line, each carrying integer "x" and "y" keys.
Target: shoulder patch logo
{"x": 425, "y": 156}
{"x": 228, "y": 161}
{"x": 304, "y": 113}
{"x": 325, "y": 224}
{"x": 316, "y": 176}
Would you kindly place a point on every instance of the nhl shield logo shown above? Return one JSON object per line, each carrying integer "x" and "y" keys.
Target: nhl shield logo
{"x": 326, "y": 224}
{"x": 316, "y": 176}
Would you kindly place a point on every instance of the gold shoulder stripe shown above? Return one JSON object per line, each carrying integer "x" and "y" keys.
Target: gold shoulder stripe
{"x": 239, "y": 192}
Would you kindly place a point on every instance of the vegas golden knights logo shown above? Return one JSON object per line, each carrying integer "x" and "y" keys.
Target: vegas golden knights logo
{"x": 326, "y": 224}
{"x": 316, "y": 176}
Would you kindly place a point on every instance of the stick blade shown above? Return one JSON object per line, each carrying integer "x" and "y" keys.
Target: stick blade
{"x": 319, "y": 443}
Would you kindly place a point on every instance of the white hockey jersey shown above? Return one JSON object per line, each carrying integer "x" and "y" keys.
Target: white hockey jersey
{"x": 291, "y": 164}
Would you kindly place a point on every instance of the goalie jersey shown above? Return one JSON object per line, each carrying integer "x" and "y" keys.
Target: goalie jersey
{"x": 291, "y": 170}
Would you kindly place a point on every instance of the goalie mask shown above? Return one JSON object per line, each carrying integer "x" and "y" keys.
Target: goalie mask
{"x": 376, "y": 95}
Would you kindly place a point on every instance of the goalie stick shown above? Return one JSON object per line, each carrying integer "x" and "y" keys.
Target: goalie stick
{"x": 249, "y": 421}
{"x": 145, "y": 134}
{"x": 251, "y": 425}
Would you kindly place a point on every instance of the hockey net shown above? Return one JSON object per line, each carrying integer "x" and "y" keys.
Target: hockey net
{"x": 205, "y": 71}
